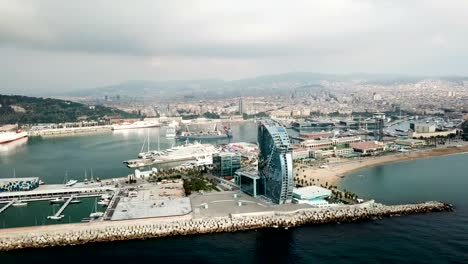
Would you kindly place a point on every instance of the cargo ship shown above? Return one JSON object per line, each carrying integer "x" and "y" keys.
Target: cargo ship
{"x": 7, "y": 137}
{"x": 210, "y": 134}
{"x": 134, "y": 125}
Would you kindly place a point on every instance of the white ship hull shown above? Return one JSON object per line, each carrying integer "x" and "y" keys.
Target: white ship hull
{"x": 176, "y": 154}
{"x": 7, "y": 137}
{"x": 139, "y": 124}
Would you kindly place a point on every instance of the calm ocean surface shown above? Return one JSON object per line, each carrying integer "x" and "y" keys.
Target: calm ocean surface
{"x": 434, "y": 238}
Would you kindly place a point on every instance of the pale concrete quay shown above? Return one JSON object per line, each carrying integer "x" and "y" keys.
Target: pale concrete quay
{"x": 69, "y": 130}
{"x": 73, "y": 234}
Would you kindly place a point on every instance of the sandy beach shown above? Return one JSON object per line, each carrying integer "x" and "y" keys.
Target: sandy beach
{"x": 307, "y": 175}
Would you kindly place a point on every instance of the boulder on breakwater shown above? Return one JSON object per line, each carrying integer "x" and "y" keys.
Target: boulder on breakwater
{"x": 144, "y": 228}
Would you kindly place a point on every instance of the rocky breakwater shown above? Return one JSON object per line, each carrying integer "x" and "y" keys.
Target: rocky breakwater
{"x": 38, "y": 237}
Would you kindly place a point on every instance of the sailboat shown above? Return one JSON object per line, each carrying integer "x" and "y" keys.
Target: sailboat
{"x": 85, "y": 177}
{"x": 148, "y": 154}
{"x": 92, "y": 177}
{"x": 104, "y": 202}
{"x": 95, "y": 214}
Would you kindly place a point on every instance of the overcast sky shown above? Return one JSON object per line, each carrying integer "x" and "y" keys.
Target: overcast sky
{"x": 66, "y": 45}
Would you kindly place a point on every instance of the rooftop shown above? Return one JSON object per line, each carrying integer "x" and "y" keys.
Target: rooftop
{"x": 311, "y": 192}
{"x": 367, "y": 145}
{"x": 154, "y": 200}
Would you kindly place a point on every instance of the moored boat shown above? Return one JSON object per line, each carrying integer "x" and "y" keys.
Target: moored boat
{"x": 19, "y": 204}
{"x": 57, "y": 200}
{"x": 134, "y": 125}
{"x": 70, "y": 183}
{"x": 10, "y": 136}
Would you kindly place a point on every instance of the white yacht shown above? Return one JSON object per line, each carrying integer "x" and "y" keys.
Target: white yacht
{"x": 75, "y": 201}
{"x": 95, "y": 214}
{"x": 134, "y": 125}
{"x": 57, "y": 200}
{"x": 104, "y": 202}
{"x": 19, "y": 204}
{"x": 53, "y": 217}
{"x": 70, "y": 183}
{"x": 106, "y": 196}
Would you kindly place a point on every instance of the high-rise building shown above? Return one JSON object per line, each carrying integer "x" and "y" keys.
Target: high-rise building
{"x": 241, "y": 106}
{"x": 379, "y": 129}
{"x": 226, "y": 163}
{"x": 275, "y": 163}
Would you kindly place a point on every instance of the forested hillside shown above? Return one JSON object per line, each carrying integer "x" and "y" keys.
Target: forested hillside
{"x": 31, "y": 110}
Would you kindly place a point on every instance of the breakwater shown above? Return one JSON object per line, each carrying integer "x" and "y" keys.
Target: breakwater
{"x": 73, "y": 234}
{"x": 69, "y": 130}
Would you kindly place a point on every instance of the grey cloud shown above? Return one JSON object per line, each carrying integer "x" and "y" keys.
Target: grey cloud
{"x": 226, "y": 39}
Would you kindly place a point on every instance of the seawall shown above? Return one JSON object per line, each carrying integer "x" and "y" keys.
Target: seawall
{"x": 74, "y": 234}
{"x": 69, "y": 130}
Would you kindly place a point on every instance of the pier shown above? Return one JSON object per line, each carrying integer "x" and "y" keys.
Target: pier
{"x": 6, "y": 206}
{"x": 59, "y": 215}
{"x": 69, "y": 130}
{"x": 112, "y": 205}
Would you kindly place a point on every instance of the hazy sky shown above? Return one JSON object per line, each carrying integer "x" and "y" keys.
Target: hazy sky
{"x": 64, "y": 45}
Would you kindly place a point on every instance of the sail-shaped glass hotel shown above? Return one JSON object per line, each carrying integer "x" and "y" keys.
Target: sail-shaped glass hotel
{"x": 275, "y": 165}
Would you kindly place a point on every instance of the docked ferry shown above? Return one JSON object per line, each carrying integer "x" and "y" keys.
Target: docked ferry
{"x": 137, "y": 124}
{"x": 7, "y": 137}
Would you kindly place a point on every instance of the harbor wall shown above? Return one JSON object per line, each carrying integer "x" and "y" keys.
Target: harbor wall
{"x": 69, "y": 130}
{"x": 49, "y": 236}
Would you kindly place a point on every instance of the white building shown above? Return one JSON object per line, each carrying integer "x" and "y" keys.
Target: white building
{"x": 312, "y": 195}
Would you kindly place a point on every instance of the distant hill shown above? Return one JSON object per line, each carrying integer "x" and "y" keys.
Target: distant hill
{"x": 31, "y": 110}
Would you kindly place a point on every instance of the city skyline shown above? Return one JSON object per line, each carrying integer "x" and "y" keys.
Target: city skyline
{"x": 48, "y": 46}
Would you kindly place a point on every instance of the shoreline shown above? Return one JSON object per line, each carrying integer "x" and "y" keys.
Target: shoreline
{"x": 338, "y": 171}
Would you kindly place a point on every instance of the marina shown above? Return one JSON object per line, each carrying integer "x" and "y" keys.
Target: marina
{"x": 55, "y": 194}
{"x": 50, "y": 192}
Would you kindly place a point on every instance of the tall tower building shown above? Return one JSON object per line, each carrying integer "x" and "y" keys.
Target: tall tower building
{"x": 241, "y": 106}
{"x": 275, "y": 165}
{"x": 379, "y": 127}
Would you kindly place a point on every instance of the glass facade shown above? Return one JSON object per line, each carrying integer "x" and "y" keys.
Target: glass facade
{"x": 275, "y": 165}
{"x": 226, "y": 164}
